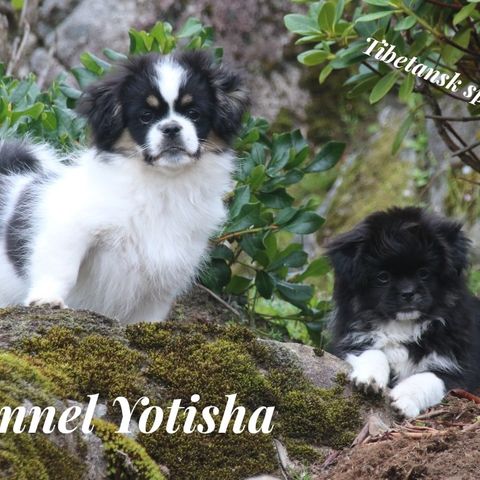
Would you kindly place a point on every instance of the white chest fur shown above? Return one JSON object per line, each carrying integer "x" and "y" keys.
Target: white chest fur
{"x": 391, "y": 338}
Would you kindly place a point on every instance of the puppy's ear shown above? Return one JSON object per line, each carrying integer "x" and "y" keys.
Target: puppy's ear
{"x": 342, "y": 251}
{"x": 100, "y": 104}
{"x": 457, "y": 244}
{"x": 232, "y": 100}
{"x": 231, "y": 95}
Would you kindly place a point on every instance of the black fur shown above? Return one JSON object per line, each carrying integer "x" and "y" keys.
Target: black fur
{"x": 17, "y": 236}
{"x": 15, "y": 157}
{"x": 117, "y": 102}
{"x": 402, "y": 260}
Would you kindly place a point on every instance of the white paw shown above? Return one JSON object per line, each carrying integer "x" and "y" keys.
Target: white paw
{"x": 371, "y": 371}
{"x": 55, "y": 303}
{"x": 404, "y": 405}
{"x": 417, "y": 393}
{"x": 368, "y": 382}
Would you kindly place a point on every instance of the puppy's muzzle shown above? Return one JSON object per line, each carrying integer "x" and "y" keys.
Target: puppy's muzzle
{"x": 171, "y": 129}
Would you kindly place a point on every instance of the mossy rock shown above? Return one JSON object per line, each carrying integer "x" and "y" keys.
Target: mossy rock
{"x": 75, "y": 354}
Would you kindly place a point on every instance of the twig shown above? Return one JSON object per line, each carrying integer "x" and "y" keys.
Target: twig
{"x": 468, "y": 180}
{"x": 43, "y": 74}
{"x": 433, "y": 413}
{"x": 419, "y": 435}
{"x": 454, "y": 119}
{"x": 445, "y": 5}
{"x": 443, "y": 128}
{"x": 246, "y": 231}
{"x": 466, "y": 149}
{"x": 460, "y": 393}
{"x": 19, "y": 45}
{"x": 219, "y": 299}
{"x": 7, "y": 10}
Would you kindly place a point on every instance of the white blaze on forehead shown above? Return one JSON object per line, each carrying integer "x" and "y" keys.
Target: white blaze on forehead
{"x": 170, "y": 76}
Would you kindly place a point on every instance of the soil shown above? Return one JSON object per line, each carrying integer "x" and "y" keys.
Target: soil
{"x": 445, "y": 446}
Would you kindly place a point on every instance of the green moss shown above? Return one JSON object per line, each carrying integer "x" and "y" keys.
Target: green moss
{"x": 303, "y": 452}
{"x": 174, "y": 360}
{"x": 126, "y": 459}
{"x": 24, "y": 456}
{"x": 215, "y": 456}
{"x": 320, "y": 416}
{"x": 88, "y": 364}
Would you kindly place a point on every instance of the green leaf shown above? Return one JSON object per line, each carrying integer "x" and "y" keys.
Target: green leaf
{"x": 286, "y": 215}
{"x": 94, "y": 64}
{"x": 328, "y": 157}
{"x": 216, "y": 276}
{"x": 297, "y": 295}
{"x": 265, "y": 283}
{"x": 295, "y": 259}
{"x": 363, "y": 85}
{"x": 238, "y": 285}
{"x": 313, "y": 57}
{"x": 114, "y": 55}
{"x": 406, "y": 88}
{"x": 326, "y": 17}
{"x": 378, "y": 3}
{"x": 70, "y": 92}
{"x": 49, "y": 120}
{"x": 277, "y": 199}
{"x": 405, "y": 24}
{"x": 402, "y": 132}
{"x": 383, "y": 86}
{"x": 222, "y": 252}
{"x": 317, "y": 268}
{"x": 451, "y": 54}
{"x": 192, "y": 27}
{"x": 249, "y": 216}
{"x": 17, "y": 4}
{"x": 301, "y": 24}
{"x": 33, "y": 111}
{"x": 306, "y": 222}
{"x": 465, "y": 12}
{"x": 83, "y": 76}
{"x": 326, "y": 71}
{"x": 241, "y": 198}
{"x": 339, "y": 8}
{"x": 257, "y": 176}
{"x": 370, "y": 17}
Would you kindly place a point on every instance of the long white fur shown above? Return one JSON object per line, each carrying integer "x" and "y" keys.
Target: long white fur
{"x": 416, "y": 393}
{"x": 370, "y": 370}
{"x": 118, "y": 236}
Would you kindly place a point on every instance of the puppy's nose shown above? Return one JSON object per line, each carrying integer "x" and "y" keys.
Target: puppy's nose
{"x": 407, "y": 295}
{"x": 171, "y": 129}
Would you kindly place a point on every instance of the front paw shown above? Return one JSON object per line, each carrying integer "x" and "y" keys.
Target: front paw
{"x": 416, "y": 393}
{"x": 404, "y": 405}
{"x": 368, "y": 382}
{"x": 371, "y": 371}
{"x": 55, "y": 303}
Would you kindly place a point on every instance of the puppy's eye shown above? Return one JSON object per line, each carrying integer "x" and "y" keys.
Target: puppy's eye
{"x": 146, "y": 117}
{"x": 423, "y": 273}
{"x": 194, "y": 114}
{"x": 383, "y": 277}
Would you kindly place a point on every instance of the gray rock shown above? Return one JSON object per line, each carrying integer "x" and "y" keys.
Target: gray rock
{"x": 320, "y": 370}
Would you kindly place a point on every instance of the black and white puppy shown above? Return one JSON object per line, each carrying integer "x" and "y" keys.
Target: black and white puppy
{"x": 121, "y": 228}
{"x": 404, "y": 317}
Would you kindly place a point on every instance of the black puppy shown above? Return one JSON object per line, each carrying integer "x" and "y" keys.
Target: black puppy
{"x": 404, "y": 316}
